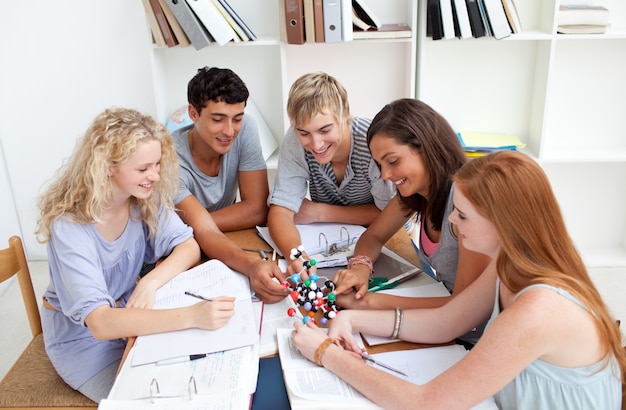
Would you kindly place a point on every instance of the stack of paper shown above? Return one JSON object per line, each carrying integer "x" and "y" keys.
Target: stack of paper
{"x": 483, "y": 143}
{"x": 211, "y": 279}
{"x": 194, "y": 368}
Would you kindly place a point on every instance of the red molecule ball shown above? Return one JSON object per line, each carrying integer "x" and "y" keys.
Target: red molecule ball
{"x": 291, "y": 312}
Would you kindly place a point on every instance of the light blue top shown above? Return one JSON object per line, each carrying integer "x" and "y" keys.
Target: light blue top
{"x": 220, "y": 191}
{"x": 545, "y": 386}
{"x": 87, "y": 271}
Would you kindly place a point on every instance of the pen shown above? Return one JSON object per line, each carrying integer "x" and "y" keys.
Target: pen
{"x": 262, "y": 252}
{"x": 181, "y": 359}
{"x": 370, "y": 359}
{"x": 394, "y": 281}
{"x": 195, "y": 295}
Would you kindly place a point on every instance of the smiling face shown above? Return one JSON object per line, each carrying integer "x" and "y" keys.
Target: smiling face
{"x": 477, "y": 232}
{"x": 323, "y": 137}
{"x": 217, "y": 125}
{"x": 401, "y": 164}
{"x": 136, "y": 176}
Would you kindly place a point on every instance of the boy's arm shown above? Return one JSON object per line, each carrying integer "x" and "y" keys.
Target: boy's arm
{"x": 216, "y": 245}
{"x": 252, "y": 209}
{"x": 311, "y": 212}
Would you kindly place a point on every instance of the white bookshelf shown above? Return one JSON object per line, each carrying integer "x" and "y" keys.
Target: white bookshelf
{"x": 374, "y": 72}
{"x": 561, "y": 94}
{"x": 557, "y": 92}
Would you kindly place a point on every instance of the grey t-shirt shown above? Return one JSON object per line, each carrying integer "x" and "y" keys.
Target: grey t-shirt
{"x": 220, "y": 191}
{"x": 298, "y": 172}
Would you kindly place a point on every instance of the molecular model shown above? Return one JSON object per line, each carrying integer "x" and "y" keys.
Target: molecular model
{"x": 308, "y": 294}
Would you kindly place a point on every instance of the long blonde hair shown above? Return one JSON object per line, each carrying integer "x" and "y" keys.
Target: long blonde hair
{"x": 512, "y": 191}
{"x": 81, "y": 190}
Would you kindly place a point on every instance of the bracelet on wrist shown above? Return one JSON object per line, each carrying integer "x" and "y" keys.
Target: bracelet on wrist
{"x": 397, "y": 324}
{"x": 361, "y": 260}
{"x": 322, "y": 348}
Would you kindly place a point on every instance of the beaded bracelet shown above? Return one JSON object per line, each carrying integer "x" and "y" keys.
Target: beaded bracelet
{"x": 361, "y": 260}
{"x": 322, "y": 348}
{"x": 398, "y": 324}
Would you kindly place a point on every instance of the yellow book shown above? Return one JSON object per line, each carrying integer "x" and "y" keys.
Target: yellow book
{"x": 485, "y": 140}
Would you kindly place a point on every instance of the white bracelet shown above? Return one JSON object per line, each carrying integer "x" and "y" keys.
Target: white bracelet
{"x": 397, "y": 324}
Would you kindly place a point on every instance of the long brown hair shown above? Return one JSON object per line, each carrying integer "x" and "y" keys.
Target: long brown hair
{"x": 512, "y": 191}
{"x": 414, "y": 123}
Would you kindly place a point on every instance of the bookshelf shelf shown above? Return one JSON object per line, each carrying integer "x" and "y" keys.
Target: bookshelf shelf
{"x": 543, "y": 86}
{"x": 561, "y": 94}
{"x": 269, "y": 66}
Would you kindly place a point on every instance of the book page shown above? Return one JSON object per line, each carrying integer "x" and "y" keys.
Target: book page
{"x": 275, "y": 317}
{"x": 222, "y": 401}
{"x": 434, "y": 289}
{"x": 210, "y": 279}
{"x": 233, "y": 370}
{"x": 310, "y": 382}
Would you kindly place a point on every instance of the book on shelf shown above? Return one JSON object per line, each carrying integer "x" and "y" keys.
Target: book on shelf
{"x": 179, "y": 33}
{"x": 475, "y": 19}
{"x": 497, "y": 19}
{"x": 384, "y": 31}
{"x": 482, "y": 143}
{"x": 582, "y": 14}
{"x": 231, "y": 21}
{"x": 581, "y": 29}
{"x": 346, "y": 20}
{"x": 196, "y": 32}
{"x": 447, "y": 19}
{"x": 460, "y": 12}
{"x": 157, "y": 35}
{"x": 213, "y": 21}
{"x": 164, "y": 26}
{"x": 294, "y": 21}
{"x": 332, "y": 21}
{"x": 309, "y": 21}
{"x": 238, "y": 20}
{"x": 434, "y": 26}
{"x": 318, "y": 17}
{"x": 512, "y": 16}
{"x": 484, "y": 18}
{"x": 363, "y": 16}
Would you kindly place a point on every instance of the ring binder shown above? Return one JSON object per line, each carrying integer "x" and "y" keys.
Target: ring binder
{"x": 195, "y": 388}
{"x": 155, "y": 391}
{"x": 153, "y": 383}
{"x": 336, "y": 247}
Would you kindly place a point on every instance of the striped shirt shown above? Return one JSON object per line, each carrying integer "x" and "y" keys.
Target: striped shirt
{"x": 299, "y": 172}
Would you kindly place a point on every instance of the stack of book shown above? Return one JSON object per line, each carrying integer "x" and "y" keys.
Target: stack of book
{"x": 448, "y": 19}
{"x": 477, "y": 144}
{"x": 195, "y": 22}
{"x": 582, "y": 19}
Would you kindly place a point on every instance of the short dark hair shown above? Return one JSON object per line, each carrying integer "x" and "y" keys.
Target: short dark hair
{"x": 216, "y": 84}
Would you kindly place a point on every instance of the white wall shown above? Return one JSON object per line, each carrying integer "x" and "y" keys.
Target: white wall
{"x": 63, "y": 62}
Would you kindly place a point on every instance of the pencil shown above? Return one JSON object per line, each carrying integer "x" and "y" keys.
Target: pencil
{"x": 195, "y": 295}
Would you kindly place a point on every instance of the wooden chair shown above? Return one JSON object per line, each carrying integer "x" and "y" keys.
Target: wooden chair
{"x": 32, "y": 382}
